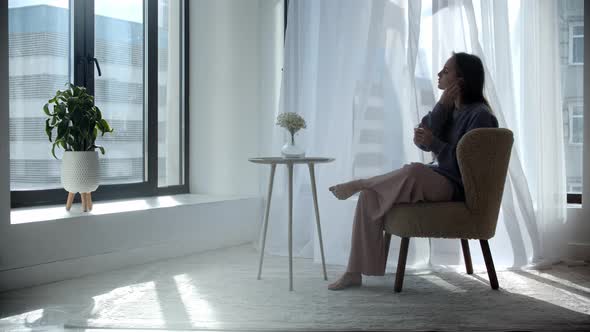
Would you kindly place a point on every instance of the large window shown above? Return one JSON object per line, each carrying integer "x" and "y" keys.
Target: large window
{"x": 40, "y": 62}
{"x": 140, "y": 47}
{"x": 572, "y": 71}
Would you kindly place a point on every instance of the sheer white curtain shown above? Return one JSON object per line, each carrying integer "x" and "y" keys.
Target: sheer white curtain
{"x": 362, "y": 74}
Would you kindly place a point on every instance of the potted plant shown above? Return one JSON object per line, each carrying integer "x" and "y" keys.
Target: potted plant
{"x": 77, "y": 121}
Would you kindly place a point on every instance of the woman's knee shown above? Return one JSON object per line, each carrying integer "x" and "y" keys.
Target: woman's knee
{"x": 367, "y": 195}
{"x": 415, "y": 170}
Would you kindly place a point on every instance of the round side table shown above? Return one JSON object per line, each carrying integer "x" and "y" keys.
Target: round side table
{"x": 273, "y": 162}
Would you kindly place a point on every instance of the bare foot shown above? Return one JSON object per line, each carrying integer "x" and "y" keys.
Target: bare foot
{"x": 345, "y": 190}
{"x": 348, "y": 280}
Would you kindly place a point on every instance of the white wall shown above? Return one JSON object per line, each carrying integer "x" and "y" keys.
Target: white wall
{"x": 232, "y": 65}
{"x": 270, "y": 61}
{"x": 54, "y": 250}
{"x": 236, "y": 52}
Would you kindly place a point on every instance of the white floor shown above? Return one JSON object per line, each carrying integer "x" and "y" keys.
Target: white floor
{"x": 218, "y": 290}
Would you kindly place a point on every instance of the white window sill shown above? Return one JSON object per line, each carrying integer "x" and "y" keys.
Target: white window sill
{"x": 58, "y": 212}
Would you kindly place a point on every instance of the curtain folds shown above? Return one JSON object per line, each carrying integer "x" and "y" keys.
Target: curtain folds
{"x": 362, "y": 74}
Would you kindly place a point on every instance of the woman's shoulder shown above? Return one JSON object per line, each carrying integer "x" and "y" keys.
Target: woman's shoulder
{"x": 476, "y": 108}
{"x": 482, "y": 114}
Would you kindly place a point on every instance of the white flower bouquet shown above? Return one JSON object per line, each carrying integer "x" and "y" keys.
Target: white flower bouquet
{"x": 291, "y": 121}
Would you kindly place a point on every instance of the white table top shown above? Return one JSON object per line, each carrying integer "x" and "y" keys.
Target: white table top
{"x": 281, "y": 160}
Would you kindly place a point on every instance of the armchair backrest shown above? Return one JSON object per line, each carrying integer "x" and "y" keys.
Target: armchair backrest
{"x": 483, "y": 155}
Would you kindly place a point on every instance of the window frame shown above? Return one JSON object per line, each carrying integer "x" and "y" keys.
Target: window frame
{"x": 82, "y": 22}
{"x": 571, "y": 43}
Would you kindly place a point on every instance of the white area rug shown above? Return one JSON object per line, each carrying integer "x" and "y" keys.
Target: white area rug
{"x": 218, "y": 291}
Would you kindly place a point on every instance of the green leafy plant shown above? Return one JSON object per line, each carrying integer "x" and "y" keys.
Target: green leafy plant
{"x": 76, "y": 119}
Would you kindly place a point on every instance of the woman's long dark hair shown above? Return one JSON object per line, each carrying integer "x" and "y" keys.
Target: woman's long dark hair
{"x": 470, "y": 68}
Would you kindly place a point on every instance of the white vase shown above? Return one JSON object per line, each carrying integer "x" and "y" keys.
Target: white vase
{"x": 290, "y": 150}
{"x": 80, "y": 171}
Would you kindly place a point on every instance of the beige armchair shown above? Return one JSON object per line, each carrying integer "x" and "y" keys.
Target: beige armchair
{"x": 483, "y": 155}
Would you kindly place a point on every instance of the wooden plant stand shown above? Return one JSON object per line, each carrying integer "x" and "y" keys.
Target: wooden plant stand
{"x": 86, "y": 201}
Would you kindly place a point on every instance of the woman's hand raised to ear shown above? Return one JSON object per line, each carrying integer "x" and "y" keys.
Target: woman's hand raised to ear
{"x": 423, "y": 136}
{"x": 451, "y": 94}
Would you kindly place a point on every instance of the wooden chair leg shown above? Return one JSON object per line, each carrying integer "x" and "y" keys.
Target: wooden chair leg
{"x": 487, "y": 255}
{"x": 401, "y": 264}
{"x": 467, "y": 256}
{"x": 69, "y": 201}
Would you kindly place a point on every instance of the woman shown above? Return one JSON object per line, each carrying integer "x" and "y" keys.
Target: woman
{"x": 462, "y": 107}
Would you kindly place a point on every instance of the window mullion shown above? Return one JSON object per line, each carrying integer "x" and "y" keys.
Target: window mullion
{"x": 151, "y": 91}
{"x": 82, "y": 22}
{"x": 89, "y": 44}
{"x": 77, "y": 21}
{"x": 185, "y": 93}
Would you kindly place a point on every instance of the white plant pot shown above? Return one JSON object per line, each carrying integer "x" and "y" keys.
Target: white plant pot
{"x": 79, "y": 171}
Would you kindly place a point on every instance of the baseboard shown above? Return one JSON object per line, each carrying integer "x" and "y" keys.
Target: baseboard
{"x": 579, "y": 251}
{"x": 78, "y": 267}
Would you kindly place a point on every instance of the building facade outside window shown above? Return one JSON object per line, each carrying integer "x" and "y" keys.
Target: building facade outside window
{"x": 576, "y": 123}
{"x": 576, "y": 44}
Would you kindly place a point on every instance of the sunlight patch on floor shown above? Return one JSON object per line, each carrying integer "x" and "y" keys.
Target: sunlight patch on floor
{"x": 108, "y": 304}
{"x": 198, "y": 309}
{"x": 521, "y": 284}
{"x": 438, "y": 281}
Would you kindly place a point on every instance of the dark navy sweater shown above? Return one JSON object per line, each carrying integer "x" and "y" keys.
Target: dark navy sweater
{"x": 447, "y": 128}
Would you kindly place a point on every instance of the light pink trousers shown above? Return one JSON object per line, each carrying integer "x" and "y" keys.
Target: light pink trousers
{"x": 412, "y": 183}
